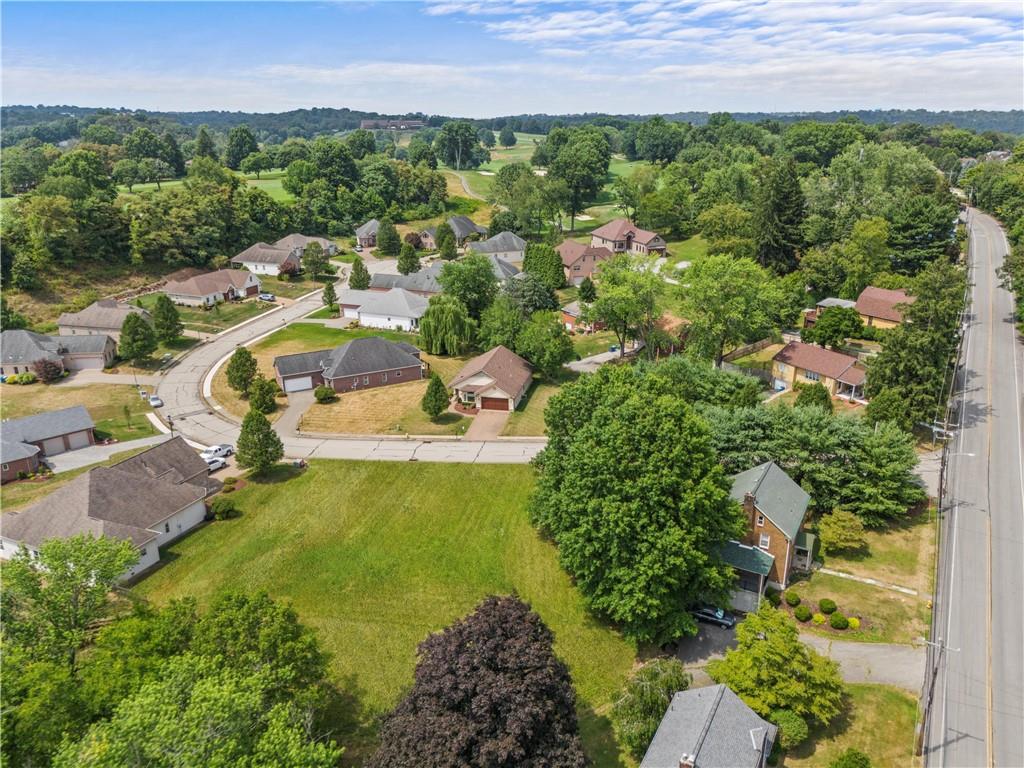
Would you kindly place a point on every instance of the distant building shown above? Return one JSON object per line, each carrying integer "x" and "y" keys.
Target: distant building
{"x": 623, "y": 236}
{"x": 20, "y": 348}
{"x": 504, "y": 245}
{"x": 263, "y": 259}
{"x": 366, "y": 235}
{"x": 101, "y": 318}
{"x": 581, "y": 261}
{"x": 392, "y": 125}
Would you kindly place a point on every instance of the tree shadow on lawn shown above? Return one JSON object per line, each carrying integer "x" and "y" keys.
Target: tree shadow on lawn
{"x": 446, "y": 418}
{"x": 819, "y": 733}
{"x": 279, "y": 473}
{"x": 345, "y": 719}
{"x": 598, "y": 738}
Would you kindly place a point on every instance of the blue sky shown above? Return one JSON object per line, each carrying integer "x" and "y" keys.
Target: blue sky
{"x": 492, "y": 58}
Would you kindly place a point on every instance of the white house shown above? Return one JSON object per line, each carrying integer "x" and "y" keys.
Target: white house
{"x": 263, "y": 259}
{"x": 212, "y": 288}
{"x": 149, "y": 499}
{"x": 396, "y": 309}
{"x": 497, "y": 380}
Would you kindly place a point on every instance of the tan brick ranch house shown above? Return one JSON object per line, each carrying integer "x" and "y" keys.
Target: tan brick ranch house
{"x": 774, "y": 545}
{"x": 359, "y": 364}
{"x": 800, "y": 363}
{"x": 101, "y": 318}
{"x": 497, "y": 380}
{"x": 879, "y": 307}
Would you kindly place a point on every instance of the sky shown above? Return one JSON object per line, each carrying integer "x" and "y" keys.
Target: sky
{"x": 476, "y": 58}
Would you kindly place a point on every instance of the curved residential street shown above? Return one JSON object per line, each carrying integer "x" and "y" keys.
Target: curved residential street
{"x": 978, "y": 707}
{"x": 185, "y": 387}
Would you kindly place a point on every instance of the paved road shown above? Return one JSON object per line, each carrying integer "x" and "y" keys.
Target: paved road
{"x": 978, "y": 716}
{"x": 182, "y": 385}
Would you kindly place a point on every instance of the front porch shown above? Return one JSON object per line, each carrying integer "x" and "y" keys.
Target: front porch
{"x": 752, "y": 566}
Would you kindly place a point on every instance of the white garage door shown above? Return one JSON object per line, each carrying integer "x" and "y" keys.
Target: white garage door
{"x": 78, "y": 439}
{"x": 298, "y": 384}
{"x": 53, "y": 446}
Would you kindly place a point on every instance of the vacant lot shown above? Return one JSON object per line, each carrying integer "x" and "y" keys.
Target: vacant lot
{"x": 219, "y": 317}
{"x": 394, "y": 409}
{"x": 106, "y": 404}
{"x": 886, "y": 616}
{"x": 686, "y": 250}
{"x": 376, "y": 555}
{"x": 879, "y": 721}
{"x": 289, "y": 289}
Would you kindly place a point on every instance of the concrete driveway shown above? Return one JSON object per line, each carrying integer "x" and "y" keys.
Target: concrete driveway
{"x": 83, "y": 457}
{"x": 487, "y": 425}
{"x": 82, "y": 378}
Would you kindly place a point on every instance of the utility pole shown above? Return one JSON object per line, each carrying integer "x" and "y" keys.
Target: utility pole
{"x": 928, "y": 693}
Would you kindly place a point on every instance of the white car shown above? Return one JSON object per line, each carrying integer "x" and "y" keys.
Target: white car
{"x": 217, "y": 451}
{"x": 156, "y": 402}
{"x": 267, "y": 297}
{"x": 215, "y": 464}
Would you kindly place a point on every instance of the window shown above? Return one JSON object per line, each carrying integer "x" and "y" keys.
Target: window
{"x": 811, "y": 376}
{"x": 143, "y": 552}
{"x": 366, "y": 379}
{"x": 760, "y": 520}
{"x": 6, "y": 467}
{"x": 764, "y": 541}
{"x": 398, "y": 374}
{"x": 167, "y": 527}
{"x": 355, "y": 383}
{"x": 383, "y": 378}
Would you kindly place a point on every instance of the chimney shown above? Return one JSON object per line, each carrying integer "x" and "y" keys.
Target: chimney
{"x": 748, "y": 508}
{"x": 687, "y": 760}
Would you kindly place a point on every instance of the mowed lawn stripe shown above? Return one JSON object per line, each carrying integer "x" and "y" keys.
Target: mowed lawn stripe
{"x": 376, "y": 555}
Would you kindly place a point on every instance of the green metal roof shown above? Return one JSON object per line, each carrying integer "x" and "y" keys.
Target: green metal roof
{"x": 749, "y": 559}
{"x": 808, "y": 541}
{"x": 775, "y": 495}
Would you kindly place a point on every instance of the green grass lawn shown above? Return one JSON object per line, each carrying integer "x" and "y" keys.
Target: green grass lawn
{"x": 587, "y": 344}
{"x": 528, "y": 418}
{"x": 220, "y": 317}
{"x": 879, "y": 721}
{"x": 690, "y": 249}
{"x": 376, "y": 555}
{"x": 324, "y": 313}
{"x": 105, "y": 403}
{"x": 760, "y": 360}
{"x": 269, "y": 182}
{"x": 289, "y": 289}
{"x": 886, "y": 616}
{"x": 155, "y": 361}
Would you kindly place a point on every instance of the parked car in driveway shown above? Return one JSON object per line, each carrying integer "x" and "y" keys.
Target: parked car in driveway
{"x": 712, "y": 615}
{"x": 267, "y": 297}
{"x": 156, "y": 402}
{"x": 216, "y": 463}
{"x": 217, "y": 451}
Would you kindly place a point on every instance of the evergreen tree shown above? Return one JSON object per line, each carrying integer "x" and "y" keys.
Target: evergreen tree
{"x": 241, "y": 370}
{"x": 166, "y": 320}
{"x": 544, "y": 262}
{"x": 815, "y": 395}
{"x": 138, "y": 340}
{"x": 314, "y": 260}
{"x": 9, "y": 318}
{"x": 330, "y": 296}
{"x": 204, "y": 146}
{"x": 359, "y": 280}
{"x": 778, "y": 215}
{"x": 435, "y": 399}
{"x": 241, "y": 144}
{"x": 447, "y": 249}
{"x": 408, "y": 261}
{"x": 444, "y": 239}
{"x": 446, "y": 327}
{"x": 588, "y": 291}
{"x": 261, "y": 394}
{"x": 259, "y": 447}
{"x": 388, "y": 241}
{"x": 507, "y": 137}
{"x": 172, "y": 153}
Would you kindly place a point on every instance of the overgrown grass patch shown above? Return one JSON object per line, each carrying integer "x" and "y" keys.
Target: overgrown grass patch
{"x": 376, "y": 555}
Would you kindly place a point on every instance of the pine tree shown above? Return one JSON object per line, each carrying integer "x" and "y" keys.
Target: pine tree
{"x": 172, "y": 153}
{"x": 330, "y": 297}
{"x": 778, "y": 215}
{"x": 259, "y": 447}
{"x": 314, "y": 260}
{"x": 166, "y": 321}
{"x": 359, "y": 280}
{"x": 408, "y": 262}
{"x": 241, "y": 370}
{"x": 261, "y": 394}
{"x": 588, "y": 291}
{"x": 388, "y": 241}
{"x": 435, "y": 399}
{"x": 544, "y": 262}
{"x": 445, "y": 241}
{"x": 137, "y": 338}
{"x": 204, "y": 146}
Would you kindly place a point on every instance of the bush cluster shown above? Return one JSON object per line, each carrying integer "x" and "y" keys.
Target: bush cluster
{"x": 223, "y": 508}
{"x": 324, "y": 394}
{"x": 854, "y": 622}
{"x": 792, "y": 728}
{"x": 802, "y": 613}
{"x": 818, "y": 619}
{"x": 792, "y": 598}
{"x": 23, "y": 378}
{"x": 773, "y": 597}
{"x": 838, "y": 621}
{"x": 827, "y": 606}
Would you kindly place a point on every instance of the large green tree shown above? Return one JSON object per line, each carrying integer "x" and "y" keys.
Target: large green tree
{"x": 435, "y": 399}
{"x": 778, "y": 215}
{"x": 241, "y": 370}
{"x": 204, "y": 146}
{"x": 545, "y": 343}
{"x": 259, "y": 447}
{"x": 472, "y": 281}
{"x": 456, "y": 144}
{"x": 641, "y": 704}
{"x": 833, "y": 327}
{"x": 639, "y": 538}
{"x": 360, "y": 277}
{"x": 627, "y": 302}
{"x": 138, "y": 340}
{"x": 446, "y": 327}
{"x": 166, "y": 320}
{"x": 543, "y": 261}
{"x": 408, "y": 261}
{"x": 241, "y": 144}
{"x": 388, "y": 242}
{"x": 771, "y": 669}
{"x": 507, "y": 137}
{"x": 314, "y": 260}
{"x": 501, "y": 323}
{"x": 581, "y": 162}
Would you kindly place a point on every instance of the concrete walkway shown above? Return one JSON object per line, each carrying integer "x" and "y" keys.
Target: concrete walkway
{"x": 84, "y": 378}
{"x": 888, "y": 663}
{"x": 298, "y": 404}
{"x": 873, "y": 582}
{"x": 83, "y": 457}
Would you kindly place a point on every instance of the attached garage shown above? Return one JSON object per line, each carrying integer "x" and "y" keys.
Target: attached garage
{"x": 494, "y": 403}
{"x": 298, "y": 384}
{"x": 53, "y": 446}
{"x": 79, "y": 440}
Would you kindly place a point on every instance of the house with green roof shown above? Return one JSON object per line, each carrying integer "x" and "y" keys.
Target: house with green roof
{"x": 775, "y": 544}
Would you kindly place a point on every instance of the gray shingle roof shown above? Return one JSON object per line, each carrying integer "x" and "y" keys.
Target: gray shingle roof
{"x": 127, "y": 500}
{"x": 296, "y": 240}
{"x": 14, "y": 450}
{"x": 463, "y": 227}
{"x": 775, "y": 494}
{"x": 261, "y": 253}
{"x": 367, "y": 229}
{"x": 831, "y": 301}
{"x": 503, "y": 270}
{"x": 20, "y": 346}
{"x": 715, "y": 727}
{"x": 423, "y": 281}
{"x": 105, "y": 314}
{"x": 746, "y": 558}
{"x": 355, "y": 358}
{"x": 500, "y": 243}
{"x": 396, "y": 302}
{"x": 41, "y": 426}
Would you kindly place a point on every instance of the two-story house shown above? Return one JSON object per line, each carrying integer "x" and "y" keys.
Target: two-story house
{"x": 622, "y": 236}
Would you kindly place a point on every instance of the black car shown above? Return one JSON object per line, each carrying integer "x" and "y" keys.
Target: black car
{"x": 713, "y": 615}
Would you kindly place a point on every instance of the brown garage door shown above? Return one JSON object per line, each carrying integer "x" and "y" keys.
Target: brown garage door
{"x": 494, "y": 403}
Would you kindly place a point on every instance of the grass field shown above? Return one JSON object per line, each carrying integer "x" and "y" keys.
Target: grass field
{"x": 690, "y": 249}
{"x": 289, "y": 289}
{"x": 879, "y": 721}
{"x": 760, "y": 360}
{"x": 269, "y": 182}
{"x": 22, "y": 493}
{"x": 528, "y": 419}
{"x": 587, "y": 344}
{"x": 216, "y": 319}
{"x": 376, "y": 555}
{"x": 105, "y": 403}
{"x": 886, "y": 616}
{"x": 155, "y": 361}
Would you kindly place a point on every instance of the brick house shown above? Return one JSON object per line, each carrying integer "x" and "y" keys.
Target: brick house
{"x": 211, "y": 288}
{"x": 800, "y": 363}
{"x": 622, "y": 236}
{"x": 497, "y": 380}
{"x": 774, "y": 544}
{"x": 580, "y": 261}
{"x": 101, "y": 318}
{"x": 879, "y": 307}
{"x": 19, "y": 349}
{"x": 24, "y": 441}
{"x": 366, "y": 235}
{"x": 359, "y": 364}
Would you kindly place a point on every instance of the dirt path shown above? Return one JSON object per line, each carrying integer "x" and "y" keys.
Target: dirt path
{"x": 465, "y": 187}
